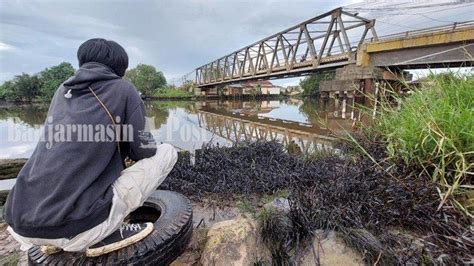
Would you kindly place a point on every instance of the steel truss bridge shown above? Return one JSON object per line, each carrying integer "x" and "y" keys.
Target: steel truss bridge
{"x": 336, "y": 39}
{"x": 321, "y": 42}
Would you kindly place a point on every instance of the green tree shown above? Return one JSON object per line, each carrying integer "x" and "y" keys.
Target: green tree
{"x": 8, "y": 91}
{"x": 26, "y": 87}
{"x": 51, "y": 78}
{"x": 146, "y": 78}
{"x": 310, "y": 84}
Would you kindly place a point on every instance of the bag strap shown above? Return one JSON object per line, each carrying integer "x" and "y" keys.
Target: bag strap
{"x": 113, "y": 122}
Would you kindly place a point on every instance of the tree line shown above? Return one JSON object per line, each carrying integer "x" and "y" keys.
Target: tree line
{"x": 43, "y": 85}
{"x": 310, "y": 84}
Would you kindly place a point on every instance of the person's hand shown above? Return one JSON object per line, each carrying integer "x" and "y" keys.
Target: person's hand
{"x": 129, "y": 162}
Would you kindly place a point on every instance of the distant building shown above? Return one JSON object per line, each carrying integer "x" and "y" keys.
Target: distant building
{"x": 246, "y": 88}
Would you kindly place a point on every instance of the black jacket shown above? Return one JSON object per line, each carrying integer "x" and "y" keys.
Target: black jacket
{"x": 65, "y": 187}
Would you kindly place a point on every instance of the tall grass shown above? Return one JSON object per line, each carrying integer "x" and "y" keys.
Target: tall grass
{"x": 433, "y": 129}
{"x": 173, "y": 93}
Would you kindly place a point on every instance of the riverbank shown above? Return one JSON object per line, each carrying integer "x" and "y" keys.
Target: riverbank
{"x": 380, "y": 209}
{"x": 385, "y": 213}
{"x": 166, "y": 97}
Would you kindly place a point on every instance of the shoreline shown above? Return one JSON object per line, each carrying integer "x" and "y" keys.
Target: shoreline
{"x": 10, "y": 104}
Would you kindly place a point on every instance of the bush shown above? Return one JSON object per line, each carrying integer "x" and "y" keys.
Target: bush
{"x": 146, "y": 78}
{"x": 434, "y": 130}
{"x": 173, "y": 93}
{"x": 310, "y": 84}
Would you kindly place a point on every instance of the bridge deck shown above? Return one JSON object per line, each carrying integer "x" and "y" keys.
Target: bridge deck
{"x": 441, "y": 46}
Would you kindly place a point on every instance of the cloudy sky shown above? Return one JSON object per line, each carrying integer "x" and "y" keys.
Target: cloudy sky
{"x": 176, "y": 35}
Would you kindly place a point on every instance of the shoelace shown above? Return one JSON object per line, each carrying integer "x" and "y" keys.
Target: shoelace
{"x": 129, "y": 227}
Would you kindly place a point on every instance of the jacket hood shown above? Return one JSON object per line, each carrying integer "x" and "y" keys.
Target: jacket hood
{"x": 89, "y": 73}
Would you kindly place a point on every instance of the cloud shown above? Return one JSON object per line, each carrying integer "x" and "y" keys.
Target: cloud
{"x": 5, "y": 47}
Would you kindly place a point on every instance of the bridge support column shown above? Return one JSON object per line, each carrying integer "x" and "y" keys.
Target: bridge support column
{"x": 362, "y": 82}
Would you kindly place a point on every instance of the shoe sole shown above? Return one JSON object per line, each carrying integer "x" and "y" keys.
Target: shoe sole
{"x": 49, "y": 249}
{"x": 95, "y": 252}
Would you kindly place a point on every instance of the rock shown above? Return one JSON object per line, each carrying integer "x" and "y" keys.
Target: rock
{"x": 280, "y": 204}
{"x": 234, "y": 242}
{"x": 332, "y": 251}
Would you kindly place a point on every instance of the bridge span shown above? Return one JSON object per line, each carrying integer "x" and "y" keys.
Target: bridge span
{"x": 326, "y": 41}
{"x": 337, "y": 39}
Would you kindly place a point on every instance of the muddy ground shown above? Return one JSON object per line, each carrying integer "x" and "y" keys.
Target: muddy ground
{"x": 204, "y": 215}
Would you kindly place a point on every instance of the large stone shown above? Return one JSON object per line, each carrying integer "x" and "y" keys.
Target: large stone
{"x": 234, "y": 242}
{"x": 331, "y": 251}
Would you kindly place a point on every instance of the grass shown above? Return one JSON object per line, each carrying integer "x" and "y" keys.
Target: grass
{"x": 246, "y": 206}
{"x": 281, "y": 193}
{"x": 173, "y": 93}
{"x": 433, "y": 129}
{"x": 276, "y": 231}
{"x": 11, "y": 259}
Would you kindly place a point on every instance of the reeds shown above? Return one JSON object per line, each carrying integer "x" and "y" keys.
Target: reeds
{"x": 433, "y": 130}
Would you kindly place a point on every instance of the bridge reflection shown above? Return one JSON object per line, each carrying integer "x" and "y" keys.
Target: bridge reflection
{"x": 245, "y": 121}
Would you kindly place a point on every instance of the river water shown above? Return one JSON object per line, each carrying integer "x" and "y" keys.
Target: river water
{"x": 306, "y": 125}
{"x": 310, "y": 124}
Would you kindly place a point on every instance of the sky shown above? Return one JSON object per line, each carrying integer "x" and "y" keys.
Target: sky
{"x": 176, "y": 36}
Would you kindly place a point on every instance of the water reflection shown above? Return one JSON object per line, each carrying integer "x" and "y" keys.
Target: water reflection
{"x": 31, "y": 115}
{"x": 310, "y": 124}
{"x": 16, "y": 122}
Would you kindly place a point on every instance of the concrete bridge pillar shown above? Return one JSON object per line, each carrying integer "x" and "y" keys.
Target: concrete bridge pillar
{"x": 362, "y": 82}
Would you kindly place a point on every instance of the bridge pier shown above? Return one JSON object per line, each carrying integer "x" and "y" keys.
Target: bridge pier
{"x": 360, "y": 82}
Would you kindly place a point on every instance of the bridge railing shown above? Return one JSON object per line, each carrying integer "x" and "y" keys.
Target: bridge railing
{"x": 414, "y": 33}
{"x": 327, "y": 40}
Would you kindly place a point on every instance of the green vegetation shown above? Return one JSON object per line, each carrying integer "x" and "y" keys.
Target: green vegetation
{"x": 10, "y": 259}
{"x": 172, "y": 92}
{"x": 53, "y": 77}
{"x": 281, "y": 193}
{"x": 22, "y": 88}
{"x": 433, "y": 130}
{"x": 310, "y": 84}
{"x": 40, "y": 86}
{"x": 246, "y": 206}
{"x": 8, "y": 91}
{"x": 146, "y": 78}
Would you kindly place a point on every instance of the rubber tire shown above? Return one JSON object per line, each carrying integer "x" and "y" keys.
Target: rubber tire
{"x": 172, "y": 233}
